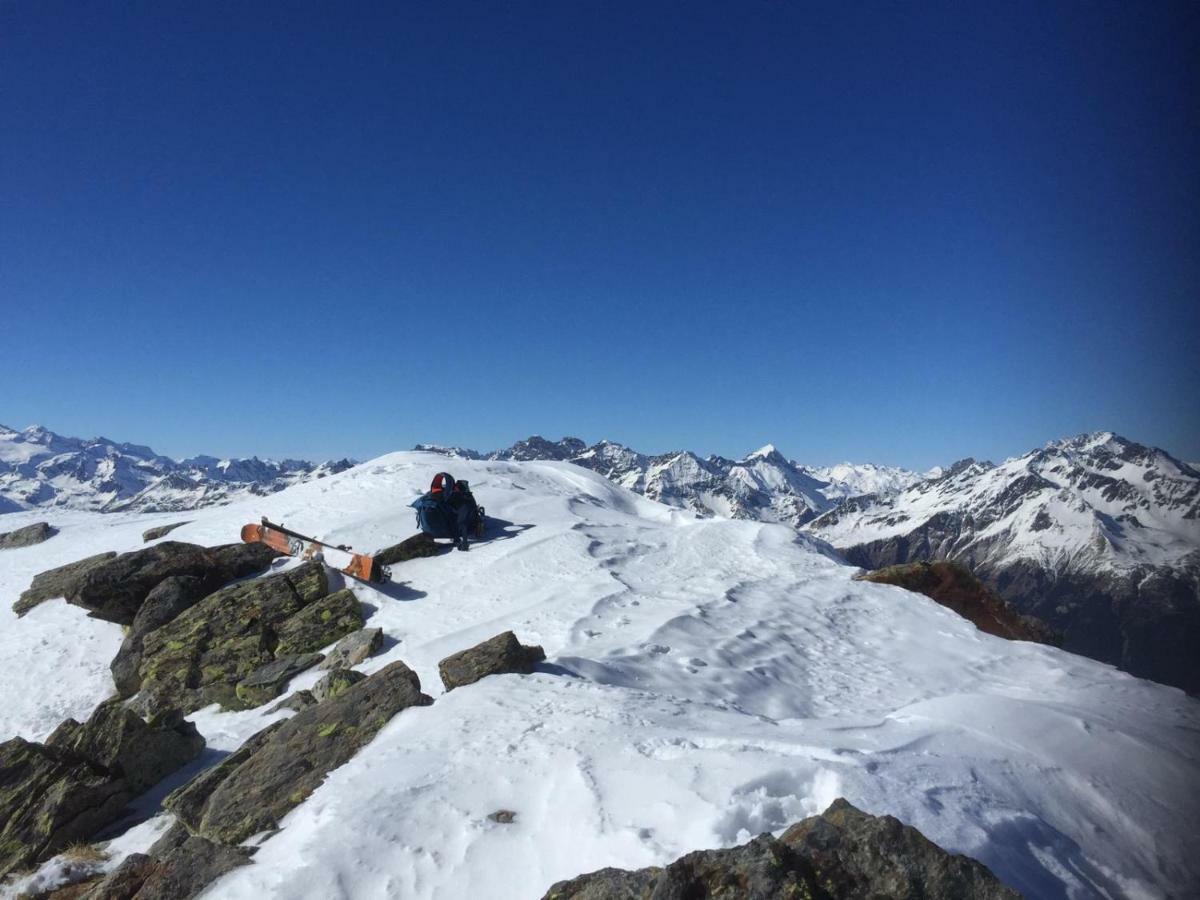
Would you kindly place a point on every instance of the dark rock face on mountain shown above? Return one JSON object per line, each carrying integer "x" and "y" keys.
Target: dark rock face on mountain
{"x": 495, "y": 656}
{"x": 200, "y": 656}
{"x": 27, "y": 536}
{"x": 842, "y": 854}
{"x": 115, "y": 590}
{"x": 955, "y": 588}
{"x": 60, "y": 582}
{"x": 253, "y": 788}
{"x": 80, "y": 780}
{"x": 47, "y": 469}
{"x": 1097, "y": 536}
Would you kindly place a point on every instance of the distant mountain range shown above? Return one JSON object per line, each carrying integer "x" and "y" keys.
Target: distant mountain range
{"x": 39, "y": 468}
{"x": 1095, "y": 535}
{"x": 764, "y": 485}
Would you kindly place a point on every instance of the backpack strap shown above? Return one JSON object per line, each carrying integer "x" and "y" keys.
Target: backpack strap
{"x": 443, "y": 483}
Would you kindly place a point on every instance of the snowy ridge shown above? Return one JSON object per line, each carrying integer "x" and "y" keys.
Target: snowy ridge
{"x": 706, "y": 680}
{"x": 1096, "y": 501}
{"x": 39, "y": 468}
{"x": 763, "y": 486}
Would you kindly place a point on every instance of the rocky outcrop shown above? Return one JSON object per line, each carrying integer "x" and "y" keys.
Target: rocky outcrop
{"x": 495, "y": 656}
{"x": 955, "y": 588}
{"x": 273, "y": 772}
{"x": 201, "y": 655}
{"x": 295, "y": 702}
{"x": 27, "y": 536}
{"x": 153, "y": 534}
{"x": 59, "y": 582}
{"x": 839, "y": 855}
{"x": 115, "y": 590}
{"x": 354, "y": 648}
{"x": 65, "y": 790}
{"x": 268, "y": 682}
{"x": 336, "y": 682}
{"x": 416, "y": 547}
{"x": 170, "y": 598}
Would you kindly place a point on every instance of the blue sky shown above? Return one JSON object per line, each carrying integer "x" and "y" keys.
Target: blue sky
{"x": 892, "y": 232}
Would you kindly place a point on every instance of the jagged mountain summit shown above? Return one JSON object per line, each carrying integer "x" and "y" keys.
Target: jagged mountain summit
{"x": 764, "y": 486}
{"x": 39, "y": 468}
{"x": 1096, "y": 535}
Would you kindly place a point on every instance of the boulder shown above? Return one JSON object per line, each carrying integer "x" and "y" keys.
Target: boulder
{"x": 115, "y": 590}
{"x": 79, "y": 781}
{"x": 253, "y": 788}
{"x": 354, "y": 648}
{"x": 415, "y": 547}
{"x": 295, "y": 702}
{"x": 169, "y": 598}
{"x": 117, "y": 739}
{"x": 178, "y": 867}
{"x": 841, "y": 854}
{"x": 58, "y": 582}
{"x": 500, "y": 654}
{"x": 200, "y": 656}
{"x": 153, "y": 534}
{"x": 336, "y": 682}
{"x": 267, "y": 683}
{"x": 27, "y": 536}
{"x": 321, "y": 623}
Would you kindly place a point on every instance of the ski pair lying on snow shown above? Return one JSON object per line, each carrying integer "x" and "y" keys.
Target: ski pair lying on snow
{"x": 361, "y": 566}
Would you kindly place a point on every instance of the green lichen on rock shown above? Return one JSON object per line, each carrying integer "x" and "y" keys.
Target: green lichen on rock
{"x": 267, "y": 683}
{"x": 335, "y": 683}
{"x": 59, "y": 582}
{"x": 321, "y": 623}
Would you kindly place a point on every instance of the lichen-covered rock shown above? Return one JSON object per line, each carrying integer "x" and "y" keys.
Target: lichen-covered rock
{"x": 153, "y": 534}
{"x": 354, "y": 648}
{"x": 276, "y": 770}
{"x": 843, "y": 854}
{"x": 336, "y": 682}
{"x": 415, "y": 547}
{"x": 320, "y": 623}
{"x": 267, "y": 683}
{"x": 65, "y": 790}
{"x": 175, "y": 869}
{"x": 117, "y": 739}
{"x": 200, "y": 656}
{"x": 169, "y": 598}
{"x": 498, "y": 655}
{"x": 27, "y": 536}
{"x": 115, "y": 590}
{"x": 50, "y": 799}
{"x": 59, "y": 582}
{"x": 296, "y": 701}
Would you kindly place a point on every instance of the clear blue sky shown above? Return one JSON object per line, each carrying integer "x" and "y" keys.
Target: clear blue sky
{"x": 899, "y": 232}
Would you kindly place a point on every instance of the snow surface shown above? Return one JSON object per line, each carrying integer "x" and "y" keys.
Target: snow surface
{"x": 706, "y": 680}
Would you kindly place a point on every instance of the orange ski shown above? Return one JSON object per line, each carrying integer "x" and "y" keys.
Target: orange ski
{"x": 361, "y": 566}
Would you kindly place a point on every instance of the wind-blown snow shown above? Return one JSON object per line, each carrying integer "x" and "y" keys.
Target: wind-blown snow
{"x": 706, "y": 680}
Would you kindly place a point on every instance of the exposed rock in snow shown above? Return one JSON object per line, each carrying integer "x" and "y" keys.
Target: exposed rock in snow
{"x": 27, "y": 536}
{"x": 842, "y": 854}
{"x": 39, "y": 468}
{"x": 354, "y": 649}
{"x": 152, "y": 534}
{"x": 58, "y": 582}
{"x": 496, "y": 656}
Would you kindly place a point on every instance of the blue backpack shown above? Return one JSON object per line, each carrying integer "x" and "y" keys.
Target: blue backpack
{"x": 448, "y": 510}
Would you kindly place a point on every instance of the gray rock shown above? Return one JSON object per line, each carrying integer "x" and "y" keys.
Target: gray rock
{"x": 498, "y": 655}
{"x": 267, "y": 683}
{"x": 115, "y": 590}
{"x": 170, "y": 598}
{"x": 80, "y": 780}
{"x": 200, "y": 656}
{"x": 415, "y": 547}
{"x": 27, "y": 536}
{"x": 335, "y": 683}
{"x": 320, "y": 623}
{"x": 503, "y": 816}
{"x": 153, "y": 534}
{"x": 276, "y": 770}
{"x": 839, "y": 855}
{"x": 354, "y": 648}
{"x": 178, "y": 867}
{"x": 58, "y": 582}
{"x": 295, "y": 702}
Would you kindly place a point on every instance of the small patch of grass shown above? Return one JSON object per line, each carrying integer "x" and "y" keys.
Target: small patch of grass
{"x": 81, "y": 852}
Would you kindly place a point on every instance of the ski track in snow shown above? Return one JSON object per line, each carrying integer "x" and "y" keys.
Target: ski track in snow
{"x": 706, "y": 681}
